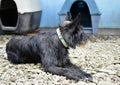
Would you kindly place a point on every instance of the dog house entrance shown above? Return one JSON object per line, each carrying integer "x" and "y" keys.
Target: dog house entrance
{"x": 8, "y": 13}
{"x": 81, "y": 6}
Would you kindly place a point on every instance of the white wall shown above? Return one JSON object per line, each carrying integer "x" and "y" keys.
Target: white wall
{"x": 110, "y": 10}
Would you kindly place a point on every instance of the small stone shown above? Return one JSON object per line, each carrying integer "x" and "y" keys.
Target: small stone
{"x": 116, "y": 62}
{"x": 108, "y": 71}
{"x": 118, "y": 73}
{"x": 106, "y": 83}
{"x": 91, "y": 84}
{"x": 80, "y": 83}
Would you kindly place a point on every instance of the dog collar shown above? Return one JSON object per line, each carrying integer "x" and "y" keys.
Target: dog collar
{"x": 61, "y": 37}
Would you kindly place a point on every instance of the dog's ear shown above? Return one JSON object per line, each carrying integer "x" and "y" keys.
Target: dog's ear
{"x": 68, "y": 17}
{"x": 77, "y": 19}
{"x": 67, "y": 20}
{"x": 75, "y": 22}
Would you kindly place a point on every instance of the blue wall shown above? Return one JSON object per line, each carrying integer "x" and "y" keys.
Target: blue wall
{"x": 110, "y": 10}
{"x": 50, "y": 10}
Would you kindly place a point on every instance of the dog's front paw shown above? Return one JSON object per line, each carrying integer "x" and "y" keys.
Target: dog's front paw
{"x": 85, "y": 77}
{"x": 79, "y": 76}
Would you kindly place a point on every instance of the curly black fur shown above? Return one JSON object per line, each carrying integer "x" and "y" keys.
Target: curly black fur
{"x": 46, "y": 48}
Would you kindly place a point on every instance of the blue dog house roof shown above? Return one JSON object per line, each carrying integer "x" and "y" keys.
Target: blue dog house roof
{"x": 91, "y": 5}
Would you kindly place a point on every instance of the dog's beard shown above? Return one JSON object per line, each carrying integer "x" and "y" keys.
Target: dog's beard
{"x": 84, "y": 39}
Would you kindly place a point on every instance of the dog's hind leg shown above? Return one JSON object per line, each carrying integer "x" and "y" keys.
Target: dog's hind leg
{"x": 12, "y": 57}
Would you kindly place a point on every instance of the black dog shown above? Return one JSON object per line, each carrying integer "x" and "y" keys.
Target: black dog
{"x": 51, "y": 49}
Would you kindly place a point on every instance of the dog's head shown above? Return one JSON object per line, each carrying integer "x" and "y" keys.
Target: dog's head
{"x": 73, "y": 32}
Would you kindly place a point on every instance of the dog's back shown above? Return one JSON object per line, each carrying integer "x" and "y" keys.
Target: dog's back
{"x": 20, "y": 48}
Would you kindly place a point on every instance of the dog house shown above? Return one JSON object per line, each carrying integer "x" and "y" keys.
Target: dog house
{"x": 90, "y": 14}
{"x": 19, "y": 16}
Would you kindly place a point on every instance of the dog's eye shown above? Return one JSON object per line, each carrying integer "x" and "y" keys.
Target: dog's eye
{"x": 74, "y": 32}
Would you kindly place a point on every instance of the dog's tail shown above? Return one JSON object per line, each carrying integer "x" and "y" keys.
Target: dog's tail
{"x": 13, "y": 58}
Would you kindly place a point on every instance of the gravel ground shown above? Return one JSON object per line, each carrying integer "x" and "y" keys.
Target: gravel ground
{"x": 100, "y": 57}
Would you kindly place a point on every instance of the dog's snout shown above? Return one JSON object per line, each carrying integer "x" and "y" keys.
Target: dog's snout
{"x": 84, "y": 39}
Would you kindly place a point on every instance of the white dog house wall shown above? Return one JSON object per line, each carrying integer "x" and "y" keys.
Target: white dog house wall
{"x": 90, "y": 15}
{"x": 19, "y": 16}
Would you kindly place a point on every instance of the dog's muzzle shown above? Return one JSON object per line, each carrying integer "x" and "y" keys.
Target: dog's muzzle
{"x": 84, "y": 39}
